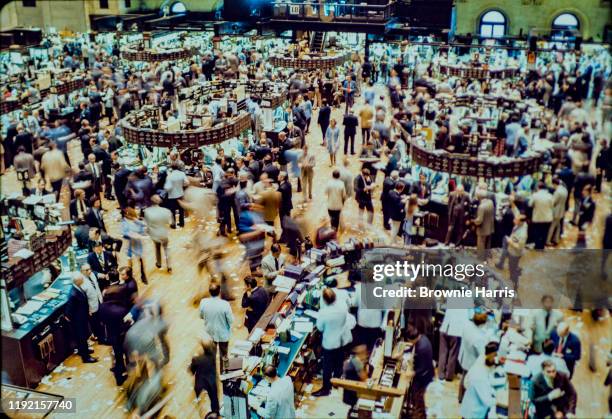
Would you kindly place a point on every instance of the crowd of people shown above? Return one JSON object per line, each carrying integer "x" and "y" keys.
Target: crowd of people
{"x": 257, "y": 191}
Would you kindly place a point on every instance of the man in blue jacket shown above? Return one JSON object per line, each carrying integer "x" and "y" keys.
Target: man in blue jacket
{"x": 567, "y": 346}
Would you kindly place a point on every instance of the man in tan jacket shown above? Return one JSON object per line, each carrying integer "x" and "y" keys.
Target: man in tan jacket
{"x": 484, "y": 222}
{"x": 54, "y": 166}
{"x": 270, "y": 200}
{"x": 366, "y": 114}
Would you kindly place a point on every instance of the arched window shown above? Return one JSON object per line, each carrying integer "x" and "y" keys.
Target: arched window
{"x": 564, "y": 26}
{"x": 492, "y": 24}
{"x": 178, "y": 8}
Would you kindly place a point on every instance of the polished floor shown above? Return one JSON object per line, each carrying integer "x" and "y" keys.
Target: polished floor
{"x": 93, "y": 384}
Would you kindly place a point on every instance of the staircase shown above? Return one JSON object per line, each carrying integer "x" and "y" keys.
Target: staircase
{"x": 317, "y": 42}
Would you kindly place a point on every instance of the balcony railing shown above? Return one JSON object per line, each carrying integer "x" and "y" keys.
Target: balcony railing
{"x": 333, "y": 12}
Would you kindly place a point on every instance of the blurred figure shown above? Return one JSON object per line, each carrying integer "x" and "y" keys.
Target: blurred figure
{"x": 133, "y": 231}
{"x": 158, "y": 221}
{"x": 204, "y": 369}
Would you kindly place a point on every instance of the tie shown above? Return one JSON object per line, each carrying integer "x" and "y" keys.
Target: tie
{"x": 101, "y": 260}
{"x": 560, "y": 346}
{"x": 547, "y": 320}
{"x": 276, "y": 263}
{"x": 94, "y": 170}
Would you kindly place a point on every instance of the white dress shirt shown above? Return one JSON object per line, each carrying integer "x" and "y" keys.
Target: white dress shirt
{"x": 335, "y": 324}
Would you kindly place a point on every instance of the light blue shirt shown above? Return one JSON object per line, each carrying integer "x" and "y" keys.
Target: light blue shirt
{"x": 307, "y": 107}
{"x": 479, "y": 396}
{"x": 280, "y": 401}
{"x": 175, "y": 184}
{"x": 218, "y": 318}
{"x": 335, "y": 324}
{"x": 332, "y": 138}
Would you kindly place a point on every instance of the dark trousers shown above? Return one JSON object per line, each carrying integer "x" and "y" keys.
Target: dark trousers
{"x": 350, "y": 100}
{"x": 222, "y": 348}
{"x": 332, "y": 366}
{"x": 57, "y": 186}
{"x": 349, "y": 138}
{"x": 96, "y": 327}
{"x": 365, "y": 135}
{"x": 447, "y": 359}
{"x": 213, "y": 395}
{"x": 540, "y": 232}
{"x": 334, "y": 216}
{"x": 571, "y": 365}
{"x": 416, "y": 400}
{"x": 324, "y": 130}
{"x": 386, "y": 216}
{"x": 174, "y": 206}
{"x": 455, "y": 231}
{"x": 119, "y": 355}
{"x": 108, "y": 188}
{"x": 81, "y": 343}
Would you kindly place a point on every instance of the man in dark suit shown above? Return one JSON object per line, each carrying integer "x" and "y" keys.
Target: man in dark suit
{"x": 95, "y": 169}
{"x": 112, "y": 313}
{"x": 94, "y": 215}
{"x": 255, "y": 300}
{"x": 323, "y": 118}
{"x": 567, "y": 346}
{"x": 388, "y": 186}
{"x": 119, "y": 184}
{"x": 104, "y": 158}
{"x": 349, "y": 87}
{"x": 350, "y": 123}
{"x": 286, "y": 204}
{"x": 24, "y": 139}
{"x": 552, "y": 393}
{"x": 458, "y": 204}
{"x": 101, "y": 262}
{"x": 78, "y": 206}
{"x": 77, "y": 313}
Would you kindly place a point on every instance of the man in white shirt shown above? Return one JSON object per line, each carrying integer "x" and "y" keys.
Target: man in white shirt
{"x": 158, "y": 219}
{"x": 479, "y": 400}
{"x": 455, "y": 320}
{"x": 473, "y": 341}
{"x": 217, "y": 174}
{"x": 218, "y": 319}
{"x": 94, "y": 299}
{"x": 280, "y": 401}
{"x": 370, "y": 321}
{"x": 336, "y": 195}
{"x": 175, "y": 186}
{"x": 335, "y": 323}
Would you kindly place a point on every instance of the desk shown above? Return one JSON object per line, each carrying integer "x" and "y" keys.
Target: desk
{"x": 39, "y": 345}
{"x": 371, "y": 390}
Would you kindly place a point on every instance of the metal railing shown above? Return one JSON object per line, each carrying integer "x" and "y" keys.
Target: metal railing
{"x": 333, "y": 12}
